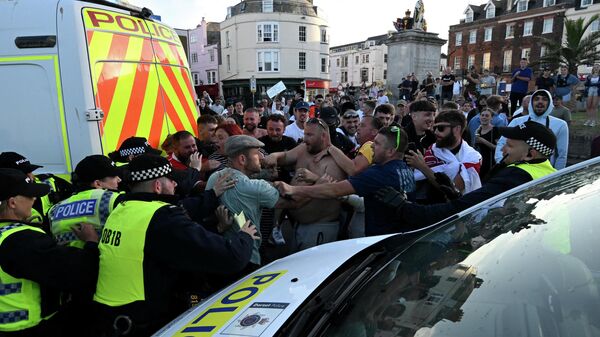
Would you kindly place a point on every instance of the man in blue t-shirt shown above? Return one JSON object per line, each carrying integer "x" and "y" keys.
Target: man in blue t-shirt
{"x": 389, "y": 170}
{"x": 520, "y": 85}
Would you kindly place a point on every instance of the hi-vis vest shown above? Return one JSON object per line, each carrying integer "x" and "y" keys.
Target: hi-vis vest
{"x": 121, "y": 273}
{"x": 536, "y": 171}
{"x": 91, "y": 206}
{"x": 36, "y": 216}
{"x": 20, "y": 299}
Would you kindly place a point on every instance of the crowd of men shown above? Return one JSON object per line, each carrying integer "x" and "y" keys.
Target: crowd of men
{"x": 124, "y": 248}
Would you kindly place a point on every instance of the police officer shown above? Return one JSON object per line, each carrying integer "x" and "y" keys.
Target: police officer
{"x": 131, "y": 148}
{"x": 146, "y": 245}
{"x": 526, "y": 154}
{"x": 33, "y": 267}
{"x": 59, "y": 188}
{"x": 96, "y": 178}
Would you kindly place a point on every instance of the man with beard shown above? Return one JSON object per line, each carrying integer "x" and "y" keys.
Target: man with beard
{"x": 349, "y": 125}
{"x": 450, "y": 155}
{"x": 275, "y": 141}
{"x": 420, "y": 136}
{"x": 540, "y": 108}
{"x": 249, "y": 196}
{"x": 207, "y": 125}
{"x": 389, "y": 170}
{"x": 318, "y": 220}
{"x": 296, "y": 129}
{"x": 251, "y": 120}
{"x": 185, "y": 152}
{"x": 526, "y": 153}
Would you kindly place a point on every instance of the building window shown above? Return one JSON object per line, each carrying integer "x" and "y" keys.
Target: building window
{"x": 548, "y": 23}
{"x": 528, "y": 28}
{"x": 595, "y": 26}
{"x": 302, "y": 60}
{"x": 323, "y": 35}
{"x": 345, "y": 62}
{"x": 522, "y": 6}
{"x": 385, "y": 58}
{"x": 228, "y": 62}
{"x": 267, "y": 32}
{"x": 196, "y": 78}
{"x": 194, "y": 57}
{"x": 485, "y": 64}
{"x": 490, "y": 12}
{"x": 543, "y": 51}
{"x": 507, "y": 61}
{"x": 364, "y": 75}
{"x": 457, "y": 61}
{"x": 337, "y": 62}
{"x": 470, "y": 61}
{"x": 302, "y": 33}
{"x": 211, "y": 53}
{"x": 211, "y": 75}
{"x": 227, "y": 40}
{"x": 487, "y": 36}
{"x": 525, "y": 52}
{"x": 267, "y": 6}
{"x": 193, "y": 38}
{"x": 356, "y": 59}
{"x": 324, "y": 63}
{"x": 510, "y": 31}
{"x": 458, "y": 39}
{"x": 548, "y": 3}
{"x": 267, "y": 60}
{"x": 469, "y": 16}
{"x": 385, "y": 74}
{"x": 585, "y": 3}
{"x": 472, "y": 37}
{"x": 365, "y": 58}
{"x": 344, "y": 77}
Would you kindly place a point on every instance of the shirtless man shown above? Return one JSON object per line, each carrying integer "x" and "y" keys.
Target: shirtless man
{"x": 318, "y": 220}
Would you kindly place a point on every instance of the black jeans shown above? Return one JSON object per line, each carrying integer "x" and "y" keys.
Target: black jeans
{"x": 515, "y": 97}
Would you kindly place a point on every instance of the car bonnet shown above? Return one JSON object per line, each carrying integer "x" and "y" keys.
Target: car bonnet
{"x": 260, "y": 303}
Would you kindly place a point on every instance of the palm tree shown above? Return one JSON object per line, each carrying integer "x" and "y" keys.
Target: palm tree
{"x": 576, "y": 50}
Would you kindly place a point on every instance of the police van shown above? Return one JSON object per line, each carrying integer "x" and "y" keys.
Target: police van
{"x": 79, "y": 77}
{"x": 523, "y": 263}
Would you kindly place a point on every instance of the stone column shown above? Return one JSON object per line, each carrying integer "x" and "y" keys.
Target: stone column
{"x": 412, "y": 51}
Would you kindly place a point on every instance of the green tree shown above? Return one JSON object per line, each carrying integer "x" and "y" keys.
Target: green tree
{"x": 576, "y": 49}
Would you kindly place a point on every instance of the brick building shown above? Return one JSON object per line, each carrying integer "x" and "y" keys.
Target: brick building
{"x": 498, "y": 33}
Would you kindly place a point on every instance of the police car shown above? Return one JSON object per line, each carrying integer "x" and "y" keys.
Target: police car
{"x": 524, "y": 263}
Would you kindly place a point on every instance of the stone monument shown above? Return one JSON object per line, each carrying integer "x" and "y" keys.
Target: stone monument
{"x": 412, "y": 50}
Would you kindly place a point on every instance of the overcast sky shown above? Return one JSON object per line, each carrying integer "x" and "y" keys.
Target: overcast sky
{"x": 349, "y": 20}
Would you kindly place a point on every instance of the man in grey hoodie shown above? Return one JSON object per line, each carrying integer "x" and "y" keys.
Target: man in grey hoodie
{"x": 540, "y": 107}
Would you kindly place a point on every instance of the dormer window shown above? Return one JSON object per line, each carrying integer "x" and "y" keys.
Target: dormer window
{"x": 490, "y": 11}
{"x": 468, "y": 15}
{"x": 522, "y": 5}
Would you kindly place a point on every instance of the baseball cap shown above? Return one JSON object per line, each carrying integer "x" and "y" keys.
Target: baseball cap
{"x": 236, "y": 144}
{"x": 302, "y": 105}
{"x": 402, "y": 102}
{"x": 95, "y": 167}
{"x": 148, "y": 167}
{"x": 329, "y": 114}
{"x": 132, "y": 146}
{"x": 14, "y": 182}
{"x": 16, "y": 161}
{"x": 534, "y": 134}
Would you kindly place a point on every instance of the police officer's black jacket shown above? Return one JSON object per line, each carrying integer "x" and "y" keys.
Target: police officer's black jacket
{"x": 35, "y": 256}
{"x": 414, "y": 216}
{"x": 176, "y": 244}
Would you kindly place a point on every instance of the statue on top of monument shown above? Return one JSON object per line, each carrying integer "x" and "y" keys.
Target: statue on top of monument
{"x": 415, "y": 22}
{"x": 419, "y": 18}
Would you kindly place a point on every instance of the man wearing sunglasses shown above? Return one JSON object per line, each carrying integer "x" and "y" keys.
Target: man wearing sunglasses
{"x": 450, "y": 155}
{"x": 389, "y": 170}
{"x": 526, "y": 153}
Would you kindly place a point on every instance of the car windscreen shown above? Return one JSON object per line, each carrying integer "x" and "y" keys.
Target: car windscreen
{"x": 527, "y": 265}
